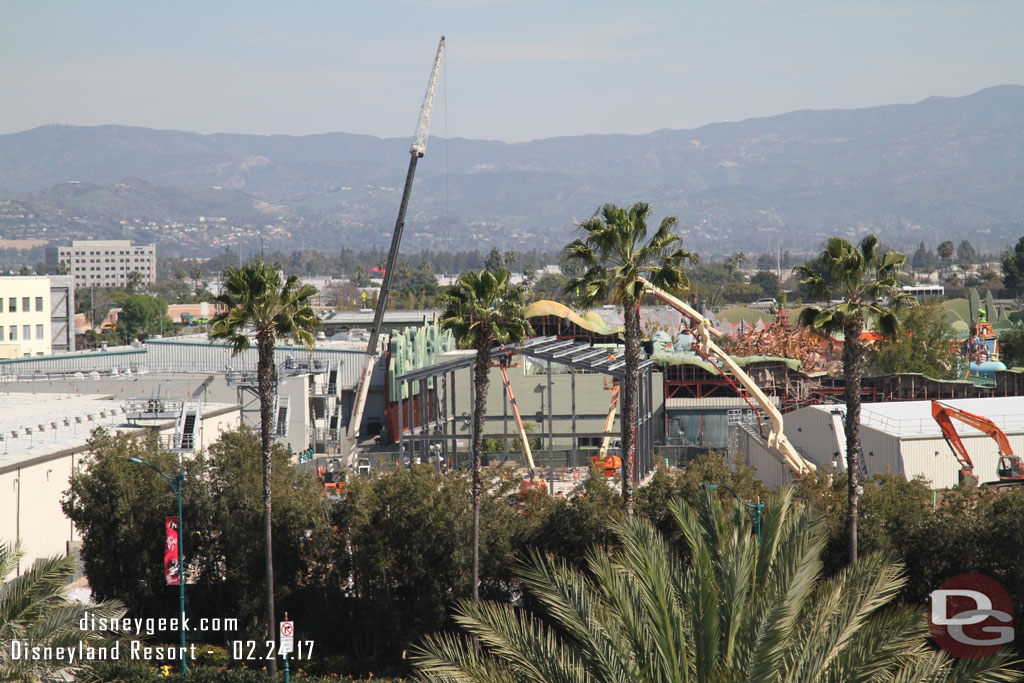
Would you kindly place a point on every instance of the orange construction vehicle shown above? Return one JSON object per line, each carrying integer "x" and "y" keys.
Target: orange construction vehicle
{"x": 332, "y": 478}
{"x": 1010, "y": 468}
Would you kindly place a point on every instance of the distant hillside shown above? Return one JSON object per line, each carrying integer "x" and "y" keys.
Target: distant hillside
{"x": 134, "y": 198}
{"x": 940, "y": 168}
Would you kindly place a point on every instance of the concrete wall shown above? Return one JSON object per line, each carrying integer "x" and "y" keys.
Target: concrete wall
{"x": 31, "y": 493}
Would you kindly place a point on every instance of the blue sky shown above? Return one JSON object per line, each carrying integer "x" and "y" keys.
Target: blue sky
{"x": 514, "y": 71}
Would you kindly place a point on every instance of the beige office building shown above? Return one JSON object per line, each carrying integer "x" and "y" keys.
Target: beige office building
{"x": 25, "y": 327}
{"x": 104, "y": 263}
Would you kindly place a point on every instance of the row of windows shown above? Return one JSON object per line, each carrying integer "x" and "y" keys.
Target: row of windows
{"x": 26, "y": 304}
{"x": 114, "y": 268}
{"x": 103, "y": 253}
{"x": 26, "y": 332}
{"x": 79, "y": 261}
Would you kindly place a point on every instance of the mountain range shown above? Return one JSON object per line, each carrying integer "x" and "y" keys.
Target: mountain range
{"x": 942, "y": 168}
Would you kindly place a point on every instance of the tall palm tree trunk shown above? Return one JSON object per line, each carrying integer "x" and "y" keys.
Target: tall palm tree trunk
{"x": 629, "y": 393}
{"x": 482, "y": 380}
{"x": 853, "y": 368}
{"x": 265, "y": 378}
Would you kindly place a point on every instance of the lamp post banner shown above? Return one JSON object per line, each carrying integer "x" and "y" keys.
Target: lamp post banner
{"x": 171, "y": 569}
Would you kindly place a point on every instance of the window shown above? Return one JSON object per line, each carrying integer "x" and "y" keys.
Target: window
{"x": 12, "y": 305}
{"x": 26, "y": 332}
{"x": 39, "y": 331}
{"x": 14, "y": 333}
{"x": 39, "y": 304}
{"x": 26, "y": 304}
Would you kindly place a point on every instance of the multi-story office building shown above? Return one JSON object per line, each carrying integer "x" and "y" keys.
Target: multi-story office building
{"x": 25, "y": 328}
{"x": 103, "y": 263}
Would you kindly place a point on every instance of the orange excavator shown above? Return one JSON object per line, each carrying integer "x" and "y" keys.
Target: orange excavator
{"x": 1010, "y": 468}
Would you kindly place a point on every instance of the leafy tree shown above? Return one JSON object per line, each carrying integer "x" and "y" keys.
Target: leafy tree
{"x": 946, "y": 251}
{"x": 926, "y": 344}
{"x": 766, "y": 261}
{"x": 63, "y": 268}
{"x": 614, "y": 253}
{"x": 118, "y": 504}
{"x": 965, "y": 253}
{"x": 860, "y": 279}
{"x": 409, "y": 284}
{"x": 483, "y": 309}
{"x": 1011, "y": 347}
{"x": 35, "y": 611}
{"x": 551, "y": 286}
{"x": 496, "y": 261}
{"x": 924, "y": 259}
{"x": 1013, "y": 268}
{"x": 739, "y": 610}
{"x": 767, "y": 281}
{"x": 256, "y": 302}
{"x": 195, "y": 272}
{"x": 135, "y": 281}
{"x": 141, "y": 316}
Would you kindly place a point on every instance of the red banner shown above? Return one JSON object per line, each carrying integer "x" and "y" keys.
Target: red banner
{"x": 171, "y": 569}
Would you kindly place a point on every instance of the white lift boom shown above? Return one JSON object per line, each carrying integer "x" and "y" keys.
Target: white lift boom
{"x": 776, "y": 438}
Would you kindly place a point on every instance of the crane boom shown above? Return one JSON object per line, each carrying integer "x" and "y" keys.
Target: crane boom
{"x": 777, "y": 437}
{"x": 416, "y": 150}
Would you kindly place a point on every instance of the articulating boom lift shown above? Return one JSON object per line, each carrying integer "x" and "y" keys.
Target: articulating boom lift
{"x": 417, "y": 150}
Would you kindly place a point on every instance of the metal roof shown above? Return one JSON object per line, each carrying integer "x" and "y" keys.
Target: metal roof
{"x": 579, "y": 355}
{"x": 36, "y": 426}
{"x": 914, "y": 418}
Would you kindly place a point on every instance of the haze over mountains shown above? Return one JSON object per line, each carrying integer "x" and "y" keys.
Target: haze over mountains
{"x": 941, "y": 168}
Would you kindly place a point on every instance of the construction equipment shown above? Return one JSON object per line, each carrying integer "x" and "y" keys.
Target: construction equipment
{"x": 1010, "y": 468}
{"x": 417, "y": 150}
{"x": 332, "y": 478}
{"x": 776, "y": 438}
{"x": 527, "y": 451}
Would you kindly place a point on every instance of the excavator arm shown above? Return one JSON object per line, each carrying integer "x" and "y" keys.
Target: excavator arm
{"x": 1010, "y": 466}
{"x": 776, "y": 438}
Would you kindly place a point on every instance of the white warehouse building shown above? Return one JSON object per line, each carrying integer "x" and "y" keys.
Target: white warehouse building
{"x": 899, "y": 436}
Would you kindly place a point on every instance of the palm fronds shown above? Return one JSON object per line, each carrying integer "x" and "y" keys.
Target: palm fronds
{"x": 34, "y": 610}
{"x": 739, "y": 611}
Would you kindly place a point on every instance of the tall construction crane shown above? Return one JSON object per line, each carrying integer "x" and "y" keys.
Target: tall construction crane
{"x": 1010, "y": 468}
{"x": 416, "y": 151}
{"x": 797, "y": 464}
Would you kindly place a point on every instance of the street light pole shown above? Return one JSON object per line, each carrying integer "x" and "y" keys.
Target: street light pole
{"x": 753, "y": 509}
{"x": 175, "y": 484}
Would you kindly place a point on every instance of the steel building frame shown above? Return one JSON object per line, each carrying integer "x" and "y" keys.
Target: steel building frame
{"x": 437, "y": 413}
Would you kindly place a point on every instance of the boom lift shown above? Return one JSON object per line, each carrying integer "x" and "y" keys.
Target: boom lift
{"x": 1010, "y": 468}
{"x": 417, "y": 150}
{"x": 776, "y": 437}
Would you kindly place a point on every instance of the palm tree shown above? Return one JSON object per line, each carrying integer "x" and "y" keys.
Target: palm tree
{"x": 739, "y": 610}
{"x": 613, "y": 254}
{"x": 483, "y": 309}
{"x": 33, "y": 608}
{"x": 863, "y": 284}
{"x": 257, "y": 303}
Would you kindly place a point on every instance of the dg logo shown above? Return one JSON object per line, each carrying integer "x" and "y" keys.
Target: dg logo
{"x": 971, "y": 616}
